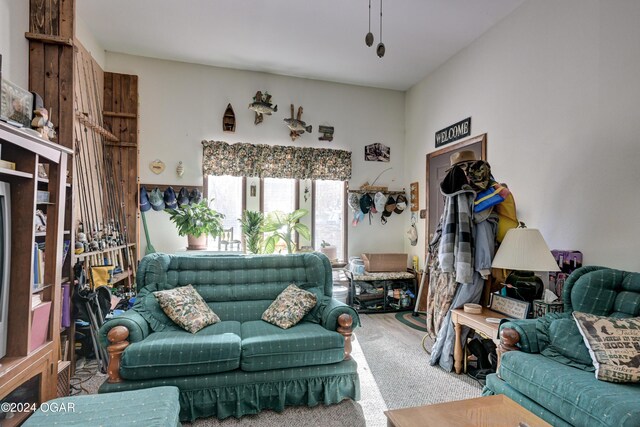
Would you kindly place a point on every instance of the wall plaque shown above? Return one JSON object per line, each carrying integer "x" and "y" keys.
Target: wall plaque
{"x": 454, "y": 132}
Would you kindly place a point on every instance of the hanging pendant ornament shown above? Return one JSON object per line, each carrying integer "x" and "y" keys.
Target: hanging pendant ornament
{"x": 380, "y": 49}
{"x": 368, "y": 39}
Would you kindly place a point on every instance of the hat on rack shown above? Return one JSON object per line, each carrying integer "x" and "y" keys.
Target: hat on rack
{"x": 366, "y": 202}
{"x": 183, "y": 197}
{"x": 144, "y": 200}
{"x": 156, "y": 199}
{"x": 401, "y": 204}
{"x": 379, "y": 200}
{"x": 195, "y": 197}
{"x": 170, "y": 198}
{"x": 389, "y": 207}
{"x": 462, "y": 157}
{"x": 354, "y": 202}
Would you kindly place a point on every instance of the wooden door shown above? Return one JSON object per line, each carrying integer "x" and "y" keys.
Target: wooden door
{"x": 438, "y": 163}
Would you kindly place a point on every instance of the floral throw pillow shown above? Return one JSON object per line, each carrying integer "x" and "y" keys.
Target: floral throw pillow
{"x": 614, "y": 345}
{"x": 185, "y": 307}
{"x": 290, "y": 307}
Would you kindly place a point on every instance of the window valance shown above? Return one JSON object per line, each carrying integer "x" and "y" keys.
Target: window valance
{"x": 275, "y": 161}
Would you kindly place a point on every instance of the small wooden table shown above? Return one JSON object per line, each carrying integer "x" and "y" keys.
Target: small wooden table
{"x": 489, "y": 411}
{"x": 476, "y": 321}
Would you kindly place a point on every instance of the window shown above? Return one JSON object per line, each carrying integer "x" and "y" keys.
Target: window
{"x": 279, "y": 195}
{"x": 329, "y": 215}
{"x": 226, "y": 192}
{"x": 327, "y": 203}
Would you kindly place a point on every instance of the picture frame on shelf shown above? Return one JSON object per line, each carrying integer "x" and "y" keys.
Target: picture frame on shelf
{"x": 16, "y": 104}
{"x": 511, "y": 307}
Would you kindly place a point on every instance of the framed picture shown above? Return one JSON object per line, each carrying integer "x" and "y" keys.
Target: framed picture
{"x": 377, "y": 152}
{"x": 16, "y": 104}
{"x": 513, "y": 308}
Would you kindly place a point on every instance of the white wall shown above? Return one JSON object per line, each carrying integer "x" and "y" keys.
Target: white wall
{"x": 182, "y": 104}
{"x": 90, "y": 43}
{"x": 556, "y": 86}
{"x": 14, "y": 47}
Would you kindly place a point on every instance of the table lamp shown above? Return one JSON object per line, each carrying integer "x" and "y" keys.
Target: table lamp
{"x": 523, "y": 250}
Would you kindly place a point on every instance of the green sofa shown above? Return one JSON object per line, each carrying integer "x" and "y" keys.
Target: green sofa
{"x": 546, "y": 367}
{"x": 241, "y": 365}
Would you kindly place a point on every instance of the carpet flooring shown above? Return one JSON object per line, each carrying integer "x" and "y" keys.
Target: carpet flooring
{"x": 394, "y": 373}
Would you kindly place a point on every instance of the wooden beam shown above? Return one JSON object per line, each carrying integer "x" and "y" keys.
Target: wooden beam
{"x": 116, "y": 114}
{"x": 46, "y": 38}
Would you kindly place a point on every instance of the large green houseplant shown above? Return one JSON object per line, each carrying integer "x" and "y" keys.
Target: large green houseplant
{"x": 196, "y": 221}
{"x": 281, "y": 226}
{"x": 251, "y": 224}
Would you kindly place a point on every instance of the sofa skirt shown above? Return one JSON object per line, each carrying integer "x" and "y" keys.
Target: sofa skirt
{"x": 237, "y": 393}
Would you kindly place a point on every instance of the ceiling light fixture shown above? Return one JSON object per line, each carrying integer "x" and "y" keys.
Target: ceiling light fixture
{"x": 368, "y": 39}
{"x": 380, "y": 49}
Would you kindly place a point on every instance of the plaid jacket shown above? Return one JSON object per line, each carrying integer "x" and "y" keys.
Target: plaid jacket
{"x": 455, "y": 252}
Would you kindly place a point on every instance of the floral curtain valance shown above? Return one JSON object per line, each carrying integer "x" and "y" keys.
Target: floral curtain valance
{"x": 275, "y": 161}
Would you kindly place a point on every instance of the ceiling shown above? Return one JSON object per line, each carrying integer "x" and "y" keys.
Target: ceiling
{"x": 316, "y": 39}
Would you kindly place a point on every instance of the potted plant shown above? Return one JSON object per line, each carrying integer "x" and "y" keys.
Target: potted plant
{"x": 251, "y": 224}
{"x": 330, "y": 251}
{"x": 283, "y": 227}
{"x": 196, "y": 221}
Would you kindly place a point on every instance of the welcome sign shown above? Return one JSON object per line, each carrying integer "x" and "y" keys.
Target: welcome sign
{"x": 454, "y": 132}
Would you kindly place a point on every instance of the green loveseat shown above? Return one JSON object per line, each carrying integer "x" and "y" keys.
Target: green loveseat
{"x": 241, "y": 365}
{"x": 546, "y": 367}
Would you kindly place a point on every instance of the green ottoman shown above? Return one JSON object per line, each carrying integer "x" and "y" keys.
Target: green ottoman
{"x": 148, "y": 407}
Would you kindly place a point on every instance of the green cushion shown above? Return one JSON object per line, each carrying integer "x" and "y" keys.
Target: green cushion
{"x": 561, "y": 341}
{"x": 603, "y": 292}
{"x": 266, "y": 346}
{"x": 150, "y": 407}
{"x": 169, "y": 271}
{"x": 576, "y": 395}
{"x": 236, "y": 288}
{"x": 215, "y": 348}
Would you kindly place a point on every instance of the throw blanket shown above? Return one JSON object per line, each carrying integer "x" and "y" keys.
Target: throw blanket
{"x": 455, "y": 252}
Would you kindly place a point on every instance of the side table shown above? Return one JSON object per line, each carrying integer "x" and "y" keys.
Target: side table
{"x": 475, "y": 321}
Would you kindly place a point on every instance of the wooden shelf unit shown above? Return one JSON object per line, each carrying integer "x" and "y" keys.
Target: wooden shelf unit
{"x": 20, "y": 364}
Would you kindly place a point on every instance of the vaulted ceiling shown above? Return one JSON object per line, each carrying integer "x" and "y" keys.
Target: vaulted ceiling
{"x": 317, "y": 39}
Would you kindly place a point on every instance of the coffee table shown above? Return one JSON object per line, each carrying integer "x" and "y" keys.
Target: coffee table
{"x": 489, "y": 411}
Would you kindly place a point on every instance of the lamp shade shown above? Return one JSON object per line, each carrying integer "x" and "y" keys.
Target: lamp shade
{"x": 524, "y": 249}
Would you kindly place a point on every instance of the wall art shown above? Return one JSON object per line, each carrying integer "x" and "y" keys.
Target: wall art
{"x": 377, "y": 152}
{"x": 229, "y": 120}
{"x": 262, "y": 105}
{"x": 297, "y": 126}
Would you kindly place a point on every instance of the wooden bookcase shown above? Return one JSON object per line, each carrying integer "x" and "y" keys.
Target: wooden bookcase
{"x": 22, "y": 363}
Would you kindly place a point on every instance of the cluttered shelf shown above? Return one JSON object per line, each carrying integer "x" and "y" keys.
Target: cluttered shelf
{"x": 381, "y": 292}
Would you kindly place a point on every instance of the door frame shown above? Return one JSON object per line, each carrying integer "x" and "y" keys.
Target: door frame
{"x": 482, "y": 139}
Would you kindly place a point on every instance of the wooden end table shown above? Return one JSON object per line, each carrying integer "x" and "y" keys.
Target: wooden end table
{"x": 475, "y": 321}
{"x": 489, "y": 411}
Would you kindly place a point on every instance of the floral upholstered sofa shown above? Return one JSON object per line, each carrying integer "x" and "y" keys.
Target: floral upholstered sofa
{"x": 242, "y": 364}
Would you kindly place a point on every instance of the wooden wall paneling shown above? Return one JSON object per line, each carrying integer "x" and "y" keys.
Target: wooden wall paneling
{"x": 120, "y": 110}
{"x": 38, "y": 16}
{"x": 51, "y": 80}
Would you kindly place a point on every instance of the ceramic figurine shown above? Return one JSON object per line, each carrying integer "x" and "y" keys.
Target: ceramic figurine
{"x": 41, "y": 122}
